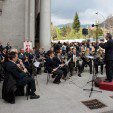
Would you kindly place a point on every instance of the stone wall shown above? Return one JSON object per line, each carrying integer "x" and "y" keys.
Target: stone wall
{"x": 12, "y": 22}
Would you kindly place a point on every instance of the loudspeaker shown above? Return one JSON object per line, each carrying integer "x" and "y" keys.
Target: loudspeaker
{"x": 85, "y": 31}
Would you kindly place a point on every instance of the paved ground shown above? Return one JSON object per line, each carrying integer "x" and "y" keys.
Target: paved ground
{"x": 63, "y": 98}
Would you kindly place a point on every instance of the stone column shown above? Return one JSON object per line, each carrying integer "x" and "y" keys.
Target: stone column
{"x": 45, "y": 23}
{"x": 32, "y": 21}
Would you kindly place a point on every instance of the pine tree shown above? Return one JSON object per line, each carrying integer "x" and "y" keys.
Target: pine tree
{"x": 76, "y": 23}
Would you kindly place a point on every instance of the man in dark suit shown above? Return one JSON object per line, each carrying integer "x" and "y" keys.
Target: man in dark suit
{"x": 59, "y": 62}
{"x": 8, "y": 47}
{"x": 74, "y": 62}
{"x": 52, "y": 68}
{"x": 108, "y": 46}
{"x": 1, "y": 47}
{"x": 19, "y": 77}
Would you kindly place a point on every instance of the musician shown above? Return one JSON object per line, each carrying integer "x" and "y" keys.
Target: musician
{"x": 86, "y": 61}
{"x": 74, "y": 63}
{"x": 16, "y": 77}
{"x": 1, "y": 47}
{"x": 99, "y": 60}
{"x": 29, "y": 54}
{"x": 60, "y": 61}
{"x": 8, "y": 47}
{"x": 57, "y": 46}
{"x": 108, "y": 46}
{"x": 77, "y": 45}
{"x": 71, "y": 64}
{"x": 4, "y": 52}
{"x": 42, "y": 52}
{"x": 21, "y": 54}
{"x": 64, "y": 48}
{"x": 26, "y": 64}
{"x": 2, "y": 72}
{"x": 53, "y": 69}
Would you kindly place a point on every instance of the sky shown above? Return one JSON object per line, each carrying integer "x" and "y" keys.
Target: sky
{"x": 63, "y": 11}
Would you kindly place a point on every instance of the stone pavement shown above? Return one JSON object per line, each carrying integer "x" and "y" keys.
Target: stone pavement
{"x": 63, "y": 98}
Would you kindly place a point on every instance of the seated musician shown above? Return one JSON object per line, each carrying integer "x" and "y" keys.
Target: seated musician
{"x": 2, "y": 72}
{"x": 53, "y": 69}
{"x": 46, "y": 56}
{"x": 21, "y": 54}
{"x": 29, "y": 54}
{"x": 86, "y": 61}
{"x": 99, "y": 61}
{"x": 74, "y": 63}
{"x": 71, "y": 65}
{"x": 60, "y": 61}
{"x": 16, "y": 77}
{"x": 42, "y": 52}
{"x": 26, "y": 64}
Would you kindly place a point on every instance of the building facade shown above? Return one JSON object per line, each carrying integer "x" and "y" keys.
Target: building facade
{"x": 25, "y": 20}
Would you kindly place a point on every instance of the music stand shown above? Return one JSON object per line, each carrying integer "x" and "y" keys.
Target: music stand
{"x": 93, "y": 78}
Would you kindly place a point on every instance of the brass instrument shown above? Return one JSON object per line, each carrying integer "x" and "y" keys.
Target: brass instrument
{"x": 100, "y": 54}
{"x": 21, "y": 65}
{"x": 87, "y": 53}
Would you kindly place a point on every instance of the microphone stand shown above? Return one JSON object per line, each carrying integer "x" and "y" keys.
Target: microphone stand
{"x": 92, "y": 81}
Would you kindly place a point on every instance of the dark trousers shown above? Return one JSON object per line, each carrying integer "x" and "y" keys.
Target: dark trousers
{"x": 65, "y": 70}
{"x": 98, "y": 63}
{"x": 84, "y": 63}
{"x": 71, "y": 67}
{"x": 57, "y": 75}
{"x": 30, "y": 82}
{"x": 109, "y": 70}
{"x": 78, "y": 67}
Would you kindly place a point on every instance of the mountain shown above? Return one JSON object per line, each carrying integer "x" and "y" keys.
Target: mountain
{"x": 70, "y": 24}
{"x": 108, "y": 23}
{"x": 62, "y": 25}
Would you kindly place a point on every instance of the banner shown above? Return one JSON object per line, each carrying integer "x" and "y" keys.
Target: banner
{"x": 27, "y": 45}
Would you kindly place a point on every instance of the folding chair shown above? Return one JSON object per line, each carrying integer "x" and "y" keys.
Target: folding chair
{"x": 34, "y": 74}
{"x": 48, "y": 77}
{"x": 27, "y": 95}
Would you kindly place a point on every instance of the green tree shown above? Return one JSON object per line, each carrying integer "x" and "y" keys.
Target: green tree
{"x": 68, "y": 30}
{"x": 53, "y": 31}
{"x": 99, "y": 32}
{"x": 95, "y": 32}
{"x": 76, "y": 23}
{"x": 63, "y": 31}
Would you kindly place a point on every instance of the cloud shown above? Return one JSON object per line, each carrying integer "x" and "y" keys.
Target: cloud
{"x": 64, "y": 10}
{"x": 59, "y": 21}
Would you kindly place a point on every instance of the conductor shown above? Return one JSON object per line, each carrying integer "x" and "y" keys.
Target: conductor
{"x": 108, "y": 46}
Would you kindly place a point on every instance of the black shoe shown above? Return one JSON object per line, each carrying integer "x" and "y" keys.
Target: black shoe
{"x": 75, "y": 68}
{"x": 13, "y": 102}
{"x": 34, "y": 96}
{"x": 101, "y": 73}
{"x": 29, "y": 93}
{"x": 64, "y": 78}
{"x": 90, "y": 72}
{"x": 58, "y": 82}
{"x": 79, "y": 75}
{"x": 107, "y": 80}
{"x": 71, "y": 74}
{"x": 45, "y": 71}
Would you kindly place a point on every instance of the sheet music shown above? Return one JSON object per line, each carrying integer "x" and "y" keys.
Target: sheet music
{"x": 67, "y": 62}
{"x": 90, "y": 57}
{"x": 36, "y": 64}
